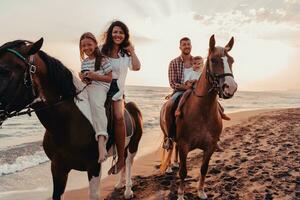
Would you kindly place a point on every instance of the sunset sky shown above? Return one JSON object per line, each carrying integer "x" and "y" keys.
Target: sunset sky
{"x": 266, "y": 32}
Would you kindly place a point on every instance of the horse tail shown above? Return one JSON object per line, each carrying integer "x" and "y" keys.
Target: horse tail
{"x": 136, "y": 115}
{"x": 165, "y": 163}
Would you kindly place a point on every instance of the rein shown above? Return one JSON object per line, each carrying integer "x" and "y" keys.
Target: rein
{"x": 29, "y": 71}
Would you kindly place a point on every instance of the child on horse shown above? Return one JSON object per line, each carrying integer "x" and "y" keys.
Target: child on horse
{"x": 190, "y": 80}
{"x": 96, "y": 71}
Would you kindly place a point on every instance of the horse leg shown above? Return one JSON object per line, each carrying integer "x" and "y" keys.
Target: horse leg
{"x": 94, "y": 176}
{"x": 60, "y": 177}
{"x": 183, "y": 151}
{"x": 169, "y": 169}
{"x": 128, "y": 194}
{"x": 176, "y": 164}
{"x": 204, "y": 167}
{"x": 121, "y": 180}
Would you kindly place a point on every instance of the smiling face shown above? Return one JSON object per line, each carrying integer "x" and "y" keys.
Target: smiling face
{"x": 185, "y": 47}
{"x": 198, "y": 64}
{"x": 88, "y": 47}
{"x": 118, "y": 35}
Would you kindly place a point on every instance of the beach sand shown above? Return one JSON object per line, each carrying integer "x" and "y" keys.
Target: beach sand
{"x": 260, "y": 161}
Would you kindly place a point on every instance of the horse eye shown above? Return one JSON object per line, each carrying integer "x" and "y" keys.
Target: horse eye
{"x": 214, "y": 61}
{"x": 4, "y": 72}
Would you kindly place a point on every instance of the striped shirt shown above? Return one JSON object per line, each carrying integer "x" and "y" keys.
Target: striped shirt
{"x": 176, "y": 70}
{"x": 105, "y": 68}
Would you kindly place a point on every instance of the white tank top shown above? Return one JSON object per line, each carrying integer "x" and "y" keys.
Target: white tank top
{"x": 187, "y": 72}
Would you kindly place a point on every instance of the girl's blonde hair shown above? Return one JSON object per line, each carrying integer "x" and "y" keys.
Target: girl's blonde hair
{"x": 97, "y": 53}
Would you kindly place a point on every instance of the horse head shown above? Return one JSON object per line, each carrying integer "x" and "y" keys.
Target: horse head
{"x": 16, "y": 84}
{"x": 219, "y": 69}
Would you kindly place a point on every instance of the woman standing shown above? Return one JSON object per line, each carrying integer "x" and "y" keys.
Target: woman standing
{"x": 122, "y": 56}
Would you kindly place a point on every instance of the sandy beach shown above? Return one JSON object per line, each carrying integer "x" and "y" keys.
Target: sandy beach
{"x": 260, "y": 161}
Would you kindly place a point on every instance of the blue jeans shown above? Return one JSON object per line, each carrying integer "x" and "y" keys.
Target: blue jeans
{"x": 176, "y": 95}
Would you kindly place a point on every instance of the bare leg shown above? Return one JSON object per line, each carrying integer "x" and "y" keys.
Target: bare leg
{"x": 102, "y": 148}
{"x": 120, "y": 133}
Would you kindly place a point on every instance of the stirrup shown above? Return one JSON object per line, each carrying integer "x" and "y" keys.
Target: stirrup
{"x": 168, "y": 143}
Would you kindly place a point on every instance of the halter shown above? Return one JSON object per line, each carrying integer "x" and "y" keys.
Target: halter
{"x": 27, "y": 82}
{"x": 29, "y": 71}
{"x": 214, "y": 81}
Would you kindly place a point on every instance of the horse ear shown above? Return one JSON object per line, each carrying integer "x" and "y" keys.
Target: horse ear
{"x": 228, "y": 47}
{"x": 35, "y": 47}
{"x": 212, "y": 43}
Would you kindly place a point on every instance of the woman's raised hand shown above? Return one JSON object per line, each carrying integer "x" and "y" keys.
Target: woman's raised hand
{"x": 130, "y": 48}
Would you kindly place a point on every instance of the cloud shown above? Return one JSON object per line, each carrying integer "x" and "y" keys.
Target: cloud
{"x": 262, "y": 23}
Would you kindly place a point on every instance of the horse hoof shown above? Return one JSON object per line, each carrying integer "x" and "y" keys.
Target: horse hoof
{"x": 128, "y": 194}
{"x": 169, "y": 170}
{"x": 202, "y": 195}
{"x": 180, "y": 197}
{"x": 119, "y": 185}
{"x": 175, "y": 165}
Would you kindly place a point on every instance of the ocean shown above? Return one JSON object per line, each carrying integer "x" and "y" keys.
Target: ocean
{"x": 20, "y": 137}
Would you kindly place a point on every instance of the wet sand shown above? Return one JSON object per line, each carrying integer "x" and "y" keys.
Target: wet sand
{"x": 260, "y": 161}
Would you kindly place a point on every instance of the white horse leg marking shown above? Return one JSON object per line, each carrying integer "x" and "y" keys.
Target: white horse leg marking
{"x": 232, "y": 86}
{"x": 94, "y": 187}
{"x": 169, "y": 169}
{"x": 121, "y": 180}
{"x": 201, "y": 193}
{"x": 180, "y": 194}
{"x": 176, "y": 164}
{"x": 129, "y": 161}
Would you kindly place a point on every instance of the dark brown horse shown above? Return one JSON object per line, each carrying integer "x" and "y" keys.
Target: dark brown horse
{"x": 29, "y": 78}
{"x": 200, "y": 125}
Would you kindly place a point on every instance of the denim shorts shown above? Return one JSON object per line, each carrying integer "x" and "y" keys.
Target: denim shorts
{"x": 113, "y": 89}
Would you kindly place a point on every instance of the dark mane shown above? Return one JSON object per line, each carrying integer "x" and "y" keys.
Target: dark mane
{"x": 59, "y": 75}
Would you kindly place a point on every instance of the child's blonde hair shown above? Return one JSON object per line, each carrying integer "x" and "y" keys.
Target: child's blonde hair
{"x": 197, "y": 58}
{"x": 97, "y": 53}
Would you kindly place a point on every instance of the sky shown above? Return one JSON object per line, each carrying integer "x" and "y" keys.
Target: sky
{"x": 266, "y": 32}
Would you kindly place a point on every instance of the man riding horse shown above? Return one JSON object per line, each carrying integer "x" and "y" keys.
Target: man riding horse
{"x": 176, "y": 73}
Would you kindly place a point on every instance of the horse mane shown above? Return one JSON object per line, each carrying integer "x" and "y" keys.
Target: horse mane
{"x": 59, "y": 75}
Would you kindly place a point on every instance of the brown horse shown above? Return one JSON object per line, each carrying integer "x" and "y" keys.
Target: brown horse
{"x": 200, "y": 125}
{"x": 29, "y": 78}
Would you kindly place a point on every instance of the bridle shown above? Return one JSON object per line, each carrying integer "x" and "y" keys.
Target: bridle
{"x": 213, "y": 81}
{"x": 29, "y": 70}
{"x": 28, "y": 84}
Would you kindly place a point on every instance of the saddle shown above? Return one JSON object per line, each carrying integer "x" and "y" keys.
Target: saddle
{"x": 129, "y": 124}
